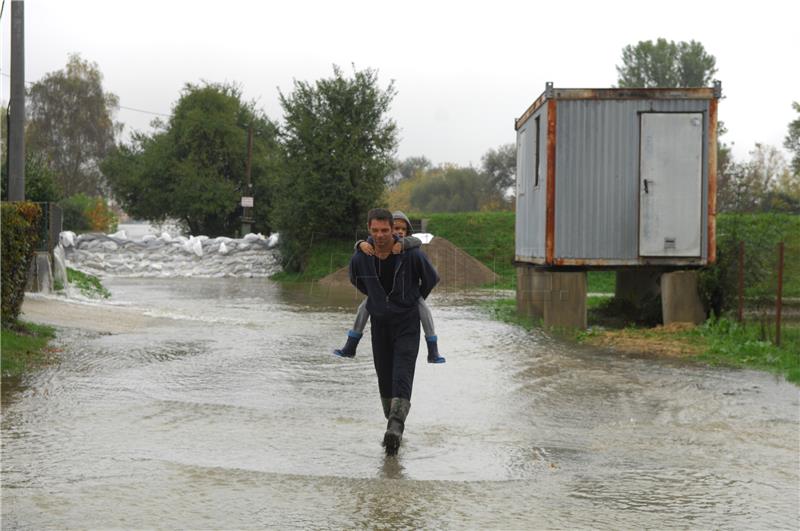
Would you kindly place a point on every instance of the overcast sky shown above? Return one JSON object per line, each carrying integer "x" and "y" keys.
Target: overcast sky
{"x": 463, "y": 70}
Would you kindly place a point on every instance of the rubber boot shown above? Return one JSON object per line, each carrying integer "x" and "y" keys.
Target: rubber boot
{"x": 349, "y": 348}
{"x": 433, "y": 350}
{"x": 394, "y": 428}
{"x": 387, "y": 404}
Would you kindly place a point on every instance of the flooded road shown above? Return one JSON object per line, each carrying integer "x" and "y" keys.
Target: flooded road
{"x": 227, "y": 410}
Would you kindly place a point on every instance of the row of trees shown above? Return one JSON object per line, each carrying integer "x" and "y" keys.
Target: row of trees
{"x": 419, "y": 186}
{"x": 315, "y": 174}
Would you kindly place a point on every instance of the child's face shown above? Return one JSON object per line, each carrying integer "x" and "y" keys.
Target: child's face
{"x": 399, "y": 228}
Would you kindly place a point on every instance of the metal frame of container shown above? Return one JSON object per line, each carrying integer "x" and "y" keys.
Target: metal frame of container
{"x": 579, "y": 187}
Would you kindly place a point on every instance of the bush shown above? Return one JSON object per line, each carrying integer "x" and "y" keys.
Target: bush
{"x": 761, "y": 233}
{"x": 83, "y": 213}
{"x": 20, "y": 236}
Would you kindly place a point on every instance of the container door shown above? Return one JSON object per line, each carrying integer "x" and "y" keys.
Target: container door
{"x": 670, "y": 187}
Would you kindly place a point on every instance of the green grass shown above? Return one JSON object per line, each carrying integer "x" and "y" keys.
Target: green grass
{"x": 325, "y": 258}
{"x": 489, "y": 237}
{"x": 486, "y": 236}
{"x": 727, "y": 342}
{"x": 601, "y": 281}
{"x": 722, "y": 342}
{"x": 89, "y": 285}
{"x": 24, "y": 347}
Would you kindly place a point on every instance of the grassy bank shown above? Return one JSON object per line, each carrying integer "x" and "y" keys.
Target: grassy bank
{"x": 24, "y": 347}
{"x": 325, "y": 257}
{"x": 486, "y": 236}
{"x": 489, "y": 237}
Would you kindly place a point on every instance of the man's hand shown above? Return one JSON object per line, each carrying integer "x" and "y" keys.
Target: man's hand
{"x": 366, "y": 248}
{"x": 397, "y": 248}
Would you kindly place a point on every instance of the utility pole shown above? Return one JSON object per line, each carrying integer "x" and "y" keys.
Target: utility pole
{"x": 247, "y": 196}
{"x": 16, "y": 130}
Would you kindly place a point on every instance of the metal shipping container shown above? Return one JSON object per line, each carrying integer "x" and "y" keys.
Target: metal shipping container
{"x": 617, "y": 177}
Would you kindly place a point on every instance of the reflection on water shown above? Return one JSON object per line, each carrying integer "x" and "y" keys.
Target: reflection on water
{"x": 232, "y": 413}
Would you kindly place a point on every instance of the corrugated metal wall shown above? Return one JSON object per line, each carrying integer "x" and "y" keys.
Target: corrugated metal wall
{"x": 531, "y": 199}
{"x": 597, "y": 177}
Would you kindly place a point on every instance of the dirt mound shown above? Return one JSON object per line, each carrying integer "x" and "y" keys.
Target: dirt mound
{"x": 456, "y": 268}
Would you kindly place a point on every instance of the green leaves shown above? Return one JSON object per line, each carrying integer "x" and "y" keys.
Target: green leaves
{"x": 194, "y": 168}
{"x": 792, "y": 141}
{"x": 666, "y": 64}
{"x": 337, "y": 143}
{"x": 71, "y": 122}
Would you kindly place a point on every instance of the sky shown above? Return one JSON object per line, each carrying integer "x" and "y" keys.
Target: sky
{"x": 463, "y": 70}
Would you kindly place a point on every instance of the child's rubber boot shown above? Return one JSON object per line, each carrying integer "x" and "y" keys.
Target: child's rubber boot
{"x": 433, "y": 350}
{"x": 349, "y": 348}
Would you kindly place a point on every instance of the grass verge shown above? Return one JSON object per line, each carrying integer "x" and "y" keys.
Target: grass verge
{"x": 717, "y": 342}
{"x": 89, "y": 285}
{"x": 24, "y": 347}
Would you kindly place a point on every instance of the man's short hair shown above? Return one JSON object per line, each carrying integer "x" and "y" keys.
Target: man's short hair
{"x": 380, "y": 214}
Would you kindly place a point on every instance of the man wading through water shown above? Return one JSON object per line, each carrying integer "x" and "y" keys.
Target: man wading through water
{"x": 393, "y": 284}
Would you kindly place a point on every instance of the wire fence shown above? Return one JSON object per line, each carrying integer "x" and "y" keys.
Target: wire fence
{"x": 757, "y": 276}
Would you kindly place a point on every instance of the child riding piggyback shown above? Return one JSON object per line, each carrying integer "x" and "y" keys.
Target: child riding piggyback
{"x": 401, "y": 227}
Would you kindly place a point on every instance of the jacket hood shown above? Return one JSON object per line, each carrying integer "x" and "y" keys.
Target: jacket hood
{"x": 399, "y": 215}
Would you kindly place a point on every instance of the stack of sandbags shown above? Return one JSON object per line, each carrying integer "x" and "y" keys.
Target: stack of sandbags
{"x": 165, "y": 256}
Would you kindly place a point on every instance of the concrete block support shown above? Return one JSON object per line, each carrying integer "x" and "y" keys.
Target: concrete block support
{"x": 559, "y": 298}
{"x": 566, "y": 304}
{"x": 680, "y": 302}
{"x": 530, "y": 292}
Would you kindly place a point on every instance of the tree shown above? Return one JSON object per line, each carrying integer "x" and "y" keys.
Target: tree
{"x": 193, "y": 167}
{"x": 338, "y": 145}
{"x": 500, "y": 167}
{"x": 764, "y": 183}
{"x": 453, "y": 189}
{"x": 792, "y": 141}
{"x": 666, "y": 64}
{"x": 74, "y": 143}
{"x": 412, "y": 166}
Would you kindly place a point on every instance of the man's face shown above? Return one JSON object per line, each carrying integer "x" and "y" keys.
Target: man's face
{"x": 381, "y": 232}
{"x": 400, "y": 228}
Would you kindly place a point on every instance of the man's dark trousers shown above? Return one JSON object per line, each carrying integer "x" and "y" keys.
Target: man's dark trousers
{"x": 395, "y": 344}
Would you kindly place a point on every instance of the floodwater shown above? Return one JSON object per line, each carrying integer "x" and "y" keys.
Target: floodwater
{"x": 230, "y": 412}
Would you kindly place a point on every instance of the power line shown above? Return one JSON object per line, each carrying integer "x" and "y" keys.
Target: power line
{"x": 120, "y": 106}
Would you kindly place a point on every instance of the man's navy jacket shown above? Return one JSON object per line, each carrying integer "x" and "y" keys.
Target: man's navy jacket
{"x": 414, "y": 277}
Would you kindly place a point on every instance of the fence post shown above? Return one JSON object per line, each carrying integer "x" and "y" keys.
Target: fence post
{"x": 741, "y": 281}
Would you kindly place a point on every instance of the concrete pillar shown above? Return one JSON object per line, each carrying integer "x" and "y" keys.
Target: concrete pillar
{"x": 637, "y": 285}
{"x": 565, "y": 302}
{"x": 530, "y": 296}
{"x": 559, "y": 298}
{"x": 680, "y": 302}
{"x": 40, "y": 274}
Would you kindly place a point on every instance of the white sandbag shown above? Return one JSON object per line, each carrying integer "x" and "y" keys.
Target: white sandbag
{"x": 67, "y": 239}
